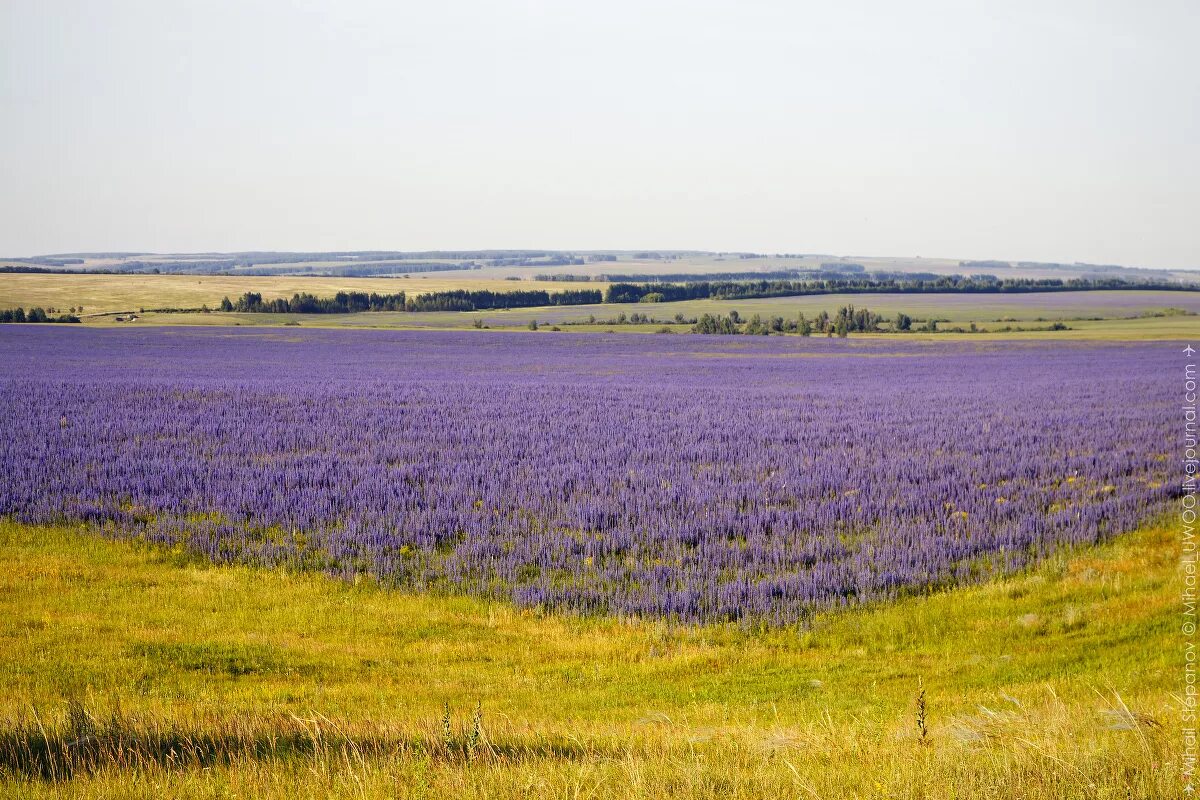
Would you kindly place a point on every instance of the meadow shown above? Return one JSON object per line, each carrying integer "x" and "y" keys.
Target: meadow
{"x": 389, "y": 563}
{"x": 110, "y": 294}
{"x": 1092, "y": 315}
{"x": 1123, "y": 315}
{"x": 1156, "y": 325}
{"x": 185, "y": 679}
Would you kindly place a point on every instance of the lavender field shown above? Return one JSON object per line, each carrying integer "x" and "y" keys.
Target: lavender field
{"x": 692, "y": 478}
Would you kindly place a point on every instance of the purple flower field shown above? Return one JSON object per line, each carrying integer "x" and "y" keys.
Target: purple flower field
{"x": 694, "y": 478}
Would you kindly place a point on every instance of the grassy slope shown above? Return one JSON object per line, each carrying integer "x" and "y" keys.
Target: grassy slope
{"x": 597, "y": 706}
{"x": 108, "y": 293}
{"x": 1115, "y": 308}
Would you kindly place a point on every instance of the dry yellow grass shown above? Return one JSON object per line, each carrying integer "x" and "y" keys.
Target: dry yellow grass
{"x": 108, "y": 293}
{"x": 205, "y": 681}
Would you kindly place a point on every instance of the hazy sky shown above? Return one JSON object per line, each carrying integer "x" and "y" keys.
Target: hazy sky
{"x": 1020, "y": 130}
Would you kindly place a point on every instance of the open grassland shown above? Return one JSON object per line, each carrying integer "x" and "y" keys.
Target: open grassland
{"x": 1169, "y": 328}
{"x": 577, "y": 320}
{"x": 954, "y": 308}
{"x": 112, "y": 293}
{"x": 198, "y": 680}
{"x": 1090, "y": 315}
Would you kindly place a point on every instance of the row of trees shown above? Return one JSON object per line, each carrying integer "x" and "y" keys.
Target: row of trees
{"x": 854, "y": 283}
{"x": 756, "y": 325}
{"x": 904, "y": 322}
{"x": 305, "y": 303}
{"x": 455, "y": 300}
{"x": 847, "y": 320}
{"x": 35, "y": 314}
{"x": 463, "y": 300}
{"x": 659, "y": 292}
{"x": 676, "y": 277}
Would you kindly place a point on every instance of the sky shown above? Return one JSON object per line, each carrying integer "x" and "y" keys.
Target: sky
{"x": 1050, "y": 131}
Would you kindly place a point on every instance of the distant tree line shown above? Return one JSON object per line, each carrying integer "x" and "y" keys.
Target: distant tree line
{"x": 35, "y": 314}
{"x": 985, "y": 264}
{"x": 356, "y": 270}
{"x": 662, "y": 292}
{"x": 658, "y": 292}
{"x": 464, "y": 300}
{"x": 675, "y": 277}
{"x": 17, "y": 268}
{"x": 550, "y": 261}
{"x": 305, "y": 303}
{"x": 563, "y": 277}
{"x": 1095, "y": 270}
{"x": 981, "y": 284}
{"x": 453, "y": 300}
{"x": 49, "y": 261}
{"x": 349, "y": 263}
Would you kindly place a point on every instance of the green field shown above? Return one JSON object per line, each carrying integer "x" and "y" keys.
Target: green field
{"x": 1148, "y": 328}
{"x": 267, "y": 684}
{"x": 1101, "y": 315}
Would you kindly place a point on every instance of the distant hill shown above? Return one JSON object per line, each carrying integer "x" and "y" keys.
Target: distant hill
{"x": 530, "y": 263}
